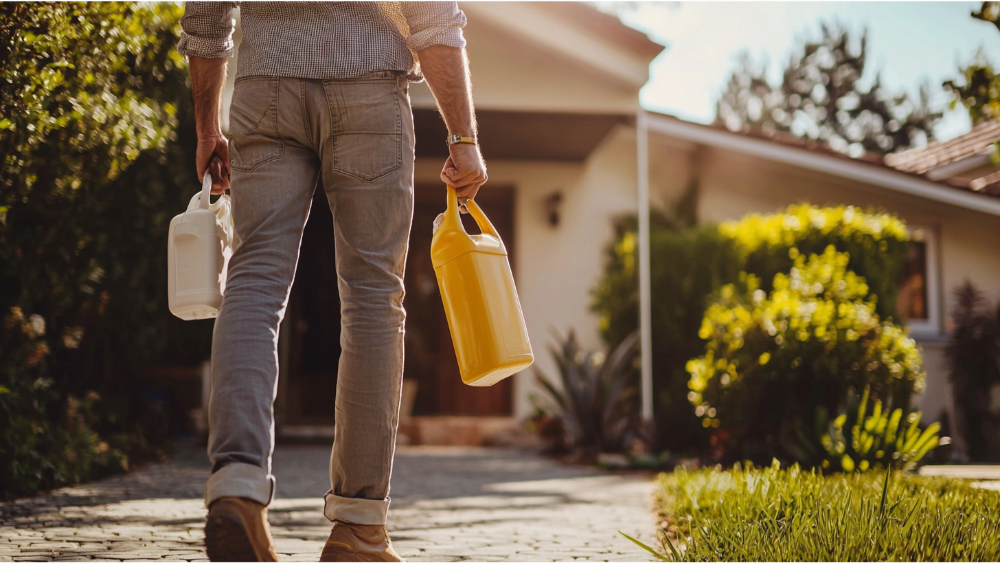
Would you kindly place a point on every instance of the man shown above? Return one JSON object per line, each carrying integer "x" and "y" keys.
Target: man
{"x": 321, "y": 99}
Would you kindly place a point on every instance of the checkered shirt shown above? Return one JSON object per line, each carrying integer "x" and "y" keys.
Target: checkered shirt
{"x": 322, "y": 40}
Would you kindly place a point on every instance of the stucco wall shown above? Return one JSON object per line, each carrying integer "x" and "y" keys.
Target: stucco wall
{"x": 517, "y": 74}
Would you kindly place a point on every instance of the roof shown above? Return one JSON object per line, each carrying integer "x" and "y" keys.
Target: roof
{"x": 605, "y": 25}
{"x": 963, "y": 162}
{"x": 920, "y": 161}
{"x": 871, "y": 169}
{"x": 575, "y": 30}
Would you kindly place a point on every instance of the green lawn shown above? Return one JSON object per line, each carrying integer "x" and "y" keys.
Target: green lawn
{"x": 771, "y": 514}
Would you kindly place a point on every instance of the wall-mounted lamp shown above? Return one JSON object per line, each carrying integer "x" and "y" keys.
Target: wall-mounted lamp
{"x": 552, "y": 203}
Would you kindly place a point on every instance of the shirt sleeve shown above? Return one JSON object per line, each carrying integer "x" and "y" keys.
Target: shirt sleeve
{"x": 207, "y": 30}
{"x": 434, "y": 23}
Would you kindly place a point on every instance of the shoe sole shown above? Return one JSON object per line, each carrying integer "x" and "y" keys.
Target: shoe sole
{"x": 226, "y": 539}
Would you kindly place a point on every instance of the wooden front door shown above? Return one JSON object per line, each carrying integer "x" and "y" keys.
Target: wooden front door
{"x": 310, "y": 339}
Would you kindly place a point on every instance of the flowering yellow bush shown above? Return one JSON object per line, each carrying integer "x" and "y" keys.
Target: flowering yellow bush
{"x": 690, "y": 265}
{"x": 773, "y": 358}
{"x": 874, "y": 242}
{"x": 795, "y": 223}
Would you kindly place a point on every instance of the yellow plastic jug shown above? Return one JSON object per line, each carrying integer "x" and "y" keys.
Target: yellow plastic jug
{"x": 479, "y": 297}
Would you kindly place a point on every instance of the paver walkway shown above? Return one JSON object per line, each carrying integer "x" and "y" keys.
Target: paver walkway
{"x": 448, "y": 504}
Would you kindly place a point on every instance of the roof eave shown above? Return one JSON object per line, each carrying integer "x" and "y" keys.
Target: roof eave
{"x": 829, "y": 164}
{"x": 590, "y": 39}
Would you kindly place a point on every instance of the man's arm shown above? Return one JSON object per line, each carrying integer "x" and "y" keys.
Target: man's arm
{"x": 208, "y": 76}
{"x": 446, "y": 70}
{"x": 207, "y": 41}
{"x": 435, "y": 34}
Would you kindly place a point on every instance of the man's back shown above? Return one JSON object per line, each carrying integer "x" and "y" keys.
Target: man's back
{"x": 322, "y": 40}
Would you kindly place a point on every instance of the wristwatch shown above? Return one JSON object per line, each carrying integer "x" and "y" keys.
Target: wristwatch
{"x": 455, "y": 138}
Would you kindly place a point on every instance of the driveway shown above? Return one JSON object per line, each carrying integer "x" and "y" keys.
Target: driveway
{"x": 448, "y": 504}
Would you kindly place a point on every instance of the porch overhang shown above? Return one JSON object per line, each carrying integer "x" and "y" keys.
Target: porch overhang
{"x": 518, "y": 135}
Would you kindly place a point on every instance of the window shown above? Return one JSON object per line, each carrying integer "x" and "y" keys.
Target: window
{"x": 917, "y": 302}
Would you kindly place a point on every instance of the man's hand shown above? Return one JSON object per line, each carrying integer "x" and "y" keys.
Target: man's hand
{"x": 208, "y": 76}
{"x": 213, "y": 155}
{"x": 464, "y": 170}
{"x": 447, "y": 72}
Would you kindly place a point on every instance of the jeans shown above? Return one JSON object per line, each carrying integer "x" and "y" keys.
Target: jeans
{"x": 288, "y": 135}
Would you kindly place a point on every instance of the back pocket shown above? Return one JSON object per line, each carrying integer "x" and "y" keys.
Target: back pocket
{"x": 253, "y": 124}
{"x": 367, "y": 127}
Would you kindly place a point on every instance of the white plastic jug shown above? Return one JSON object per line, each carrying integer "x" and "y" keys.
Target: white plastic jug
{"x": 199, "y": 245}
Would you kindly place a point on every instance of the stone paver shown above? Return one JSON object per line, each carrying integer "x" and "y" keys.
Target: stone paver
{"x": 448, "y": 504}
{"x": 983, "y": 476}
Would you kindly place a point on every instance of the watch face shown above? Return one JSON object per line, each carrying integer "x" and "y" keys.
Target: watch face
{"x": 455, "y": 138}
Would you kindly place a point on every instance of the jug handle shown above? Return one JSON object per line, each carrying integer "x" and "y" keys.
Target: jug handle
{"x": 452, "y": 215}
{"x": 206, "y": 190}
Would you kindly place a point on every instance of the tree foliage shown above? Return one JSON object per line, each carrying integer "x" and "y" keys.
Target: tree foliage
{"x": 96, "y": 139}
{"x": 978, "y": 86}
{"x": 824, "y": 96}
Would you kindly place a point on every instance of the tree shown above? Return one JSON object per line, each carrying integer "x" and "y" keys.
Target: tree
{"x": 978, "y": 88}
{"x": 823, "y": 97}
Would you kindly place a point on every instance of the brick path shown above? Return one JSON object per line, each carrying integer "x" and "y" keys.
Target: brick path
{"x": 449, "y": 504}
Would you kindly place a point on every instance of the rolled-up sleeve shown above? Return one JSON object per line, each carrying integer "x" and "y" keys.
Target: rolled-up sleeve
{"x": 434, "y": 23}
{"x": 207, "y": 30}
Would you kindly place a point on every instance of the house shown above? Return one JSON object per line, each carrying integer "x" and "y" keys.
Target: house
{"x": 945, "y": 192}
{"x": 556, "y": 87}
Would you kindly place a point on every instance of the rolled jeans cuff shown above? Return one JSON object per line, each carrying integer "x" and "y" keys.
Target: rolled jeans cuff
{"x": 355, "y": 510}
{"x": 240, "y": 480}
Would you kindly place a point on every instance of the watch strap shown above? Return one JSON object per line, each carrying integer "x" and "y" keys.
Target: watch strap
{"x": 455, "y": 139}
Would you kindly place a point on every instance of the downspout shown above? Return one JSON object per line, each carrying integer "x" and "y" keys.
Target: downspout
{"x": 645, "y": 321}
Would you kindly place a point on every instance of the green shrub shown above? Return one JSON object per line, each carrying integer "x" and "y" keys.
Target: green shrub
{"x": 97, "y": 142}
{"x": 595, "y": 398}
{"x": 773, "y": 514}
{"x": 973, "y": 347}
{"x": 773, "y": 359}
{"x": 689, "y": 264}
{"x": 45, "y": 439}
{"x": 861, "y": 440}
{"x": 686, "y": 267}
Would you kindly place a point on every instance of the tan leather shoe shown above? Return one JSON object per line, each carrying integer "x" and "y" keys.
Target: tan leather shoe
{"x": 237, "y": 530}
{"x": 355, "y": 542}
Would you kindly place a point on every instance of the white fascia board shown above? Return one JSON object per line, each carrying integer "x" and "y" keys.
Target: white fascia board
{"x": 953, "y": 169}
{"x": 522, "y": 19}
{"x": 834, "y": 166}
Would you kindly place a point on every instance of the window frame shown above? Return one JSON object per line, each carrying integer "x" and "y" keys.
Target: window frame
{"x": 931, "y": 326}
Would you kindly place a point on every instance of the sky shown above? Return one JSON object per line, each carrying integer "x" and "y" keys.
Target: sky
{"x": 909, "y": 42}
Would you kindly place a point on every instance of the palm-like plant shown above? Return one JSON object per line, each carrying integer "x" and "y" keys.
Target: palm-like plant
{"x": 596, "y": 398}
